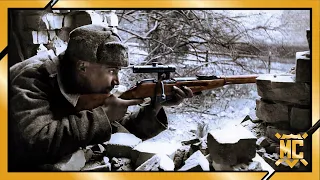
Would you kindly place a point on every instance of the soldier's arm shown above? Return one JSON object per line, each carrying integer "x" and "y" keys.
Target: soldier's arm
{"x": 45, "y": 135}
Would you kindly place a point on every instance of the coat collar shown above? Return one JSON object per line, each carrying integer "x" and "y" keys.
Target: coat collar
{"x": 53, "y": 68}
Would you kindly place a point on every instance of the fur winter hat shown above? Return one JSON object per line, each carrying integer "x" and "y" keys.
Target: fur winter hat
{"x": 95, "y": 43}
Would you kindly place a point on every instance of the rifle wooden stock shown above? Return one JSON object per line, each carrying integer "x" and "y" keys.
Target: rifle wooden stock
{"x": 147, "y": 89}
{"x": 90, "y": 101}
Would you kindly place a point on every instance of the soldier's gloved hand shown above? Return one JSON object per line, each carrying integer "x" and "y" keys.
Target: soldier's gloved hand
{"x": 178, "y": 95}
{"x": 116, "y": 108}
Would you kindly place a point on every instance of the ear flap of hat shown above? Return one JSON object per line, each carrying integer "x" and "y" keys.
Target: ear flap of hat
{"x": 113, "y": 54}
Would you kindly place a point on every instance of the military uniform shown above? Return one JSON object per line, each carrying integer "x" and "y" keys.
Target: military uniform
{"x": 43, "y": 123}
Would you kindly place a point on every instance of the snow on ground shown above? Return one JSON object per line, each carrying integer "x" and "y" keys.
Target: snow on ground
{"x": 217, "y": 108}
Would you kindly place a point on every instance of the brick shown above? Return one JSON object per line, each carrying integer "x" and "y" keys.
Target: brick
{"x": 43, "y": 37}
{"x": 121, "y": 144}
{"x": 303, "y": 67}
{"x": 283, "y": 88}
{"x": 145, "y": 150}
{"x": 34, "y": 37}
{"x": 158, "y": 162}
{"x": 300, "y": 119}
{"x": 35, "y": 22}
{"x": 272, "y": 112}
{"x": 54, "y": 21}
{"x": 263, "y": 142}
{"x": 112, "y": 18}
{"x": 231, "y": 145}
{"x": 196, "y": 162}
{"x": 95, "y": 17}
{"x": 271, "y": 131}
{"x": 72, "y": 162}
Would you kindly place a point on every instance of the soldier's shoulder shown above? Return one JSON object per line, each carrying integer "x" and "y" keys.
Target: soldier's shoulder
{"x": 42, "y": 62}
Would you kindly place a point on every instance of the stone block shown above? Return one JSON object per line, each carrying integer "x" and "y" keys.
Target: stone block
{"x": 283, "y": 88}
{"x": 72, "y": 162}
{"x": 257, "y": 164}
{"x": 68, "y": 21}
{"x": 272, "y": 112}
{"x": 158, "y": 162}
{"x": 231, "y": 145}
{"x": 120, "y": 162}
{"x": 300, "y": 119}
{"x": 35, "y": 22}
{"x": 121, "y": 144}
{"x": 145, "y": 150}
{"x": 63, "y": 11}
{"x": 303, "y": 67}
{"x": 272, "y": 148}
{"x": 54, "y": 20}
{"x": 263, "y": 142}
{"x": 181, "y": 156}
{"x": 196, "y": 162}
{"x": 272, "y": 131}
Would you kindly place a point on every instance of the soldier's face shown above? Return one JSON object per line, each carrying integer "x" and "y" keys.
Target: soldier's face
{"x": 96, "y": 78}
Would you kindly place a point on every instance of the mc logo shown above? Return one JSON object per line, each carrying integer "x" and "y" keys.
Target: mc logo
{"x": 288, "y": 146}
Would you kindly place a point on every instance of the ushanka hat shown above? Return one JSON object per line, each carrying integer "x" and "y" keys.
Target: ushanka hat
{"x": 95, "y": 43}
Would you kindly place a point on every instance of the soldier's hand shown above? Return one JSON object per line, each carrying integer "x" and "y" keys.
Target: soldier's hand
{"x": 179, "y": 94}
{"x": 116, "y": 108}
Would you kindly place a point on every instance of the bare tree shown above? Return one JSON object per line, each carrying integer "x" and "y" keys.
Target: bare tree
{"x": 169, "y": 35}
